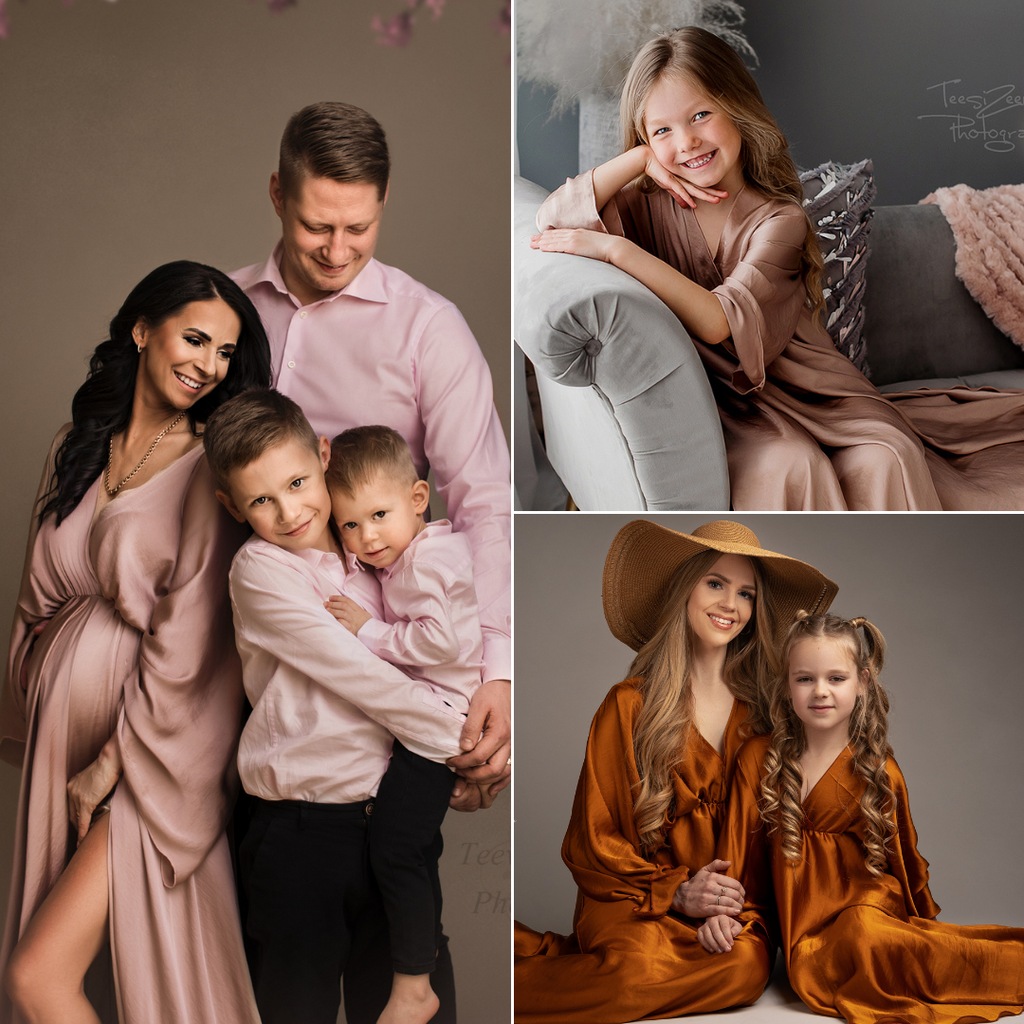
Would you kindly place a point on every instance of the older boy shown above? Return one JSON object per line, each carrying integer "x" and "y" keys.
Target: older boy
{"x": 324, "y": 712}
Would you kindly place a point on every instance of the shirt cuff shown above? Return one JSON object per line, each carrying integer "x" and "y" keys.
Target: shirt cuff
{"x": 371, "y": 633}
{"x": 497, "y": 657}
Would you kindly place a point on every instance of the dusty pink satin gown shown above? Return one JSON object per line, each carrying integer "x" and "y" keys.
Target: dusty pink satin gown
{"x": 139, "y": 642}
{"x": 804, "y": 428}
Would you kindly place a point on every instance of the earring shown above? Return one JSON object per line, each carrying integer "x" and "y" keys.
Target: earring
{"x": 139, "y": 347}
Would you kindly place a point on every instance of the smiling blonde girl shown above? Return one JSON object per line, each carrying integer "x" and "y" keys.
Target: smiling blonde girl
{"x": 819, "y": 830}
{"x": 704, "y": 208}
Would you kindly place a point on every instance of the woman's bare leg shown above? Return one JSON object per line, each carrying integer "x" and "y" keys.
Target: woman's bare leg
{"x": 47, "y": 968}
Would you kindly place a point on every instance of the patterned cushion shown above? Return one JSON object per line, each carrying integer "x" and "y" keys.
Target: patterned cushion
{"x": 837, "y": 198}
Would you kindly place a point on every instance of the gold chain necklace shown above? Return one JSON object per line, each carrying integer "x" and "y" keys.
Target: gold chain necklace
{"x": 145, "y": 458}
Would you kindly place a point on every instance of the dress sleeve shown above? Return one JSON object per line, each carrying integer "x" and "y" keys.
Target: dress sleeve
{"x": 763, "y": 296}
{"x": 602, "y": 846}
{"x": 32, "y": 607}
{"x": 744, "y": 841}
{"x": 574, "y": 205}
{"x": 181, "y": 718}
{"x": 465, "y": 445}
{"x": 909, "y": 867}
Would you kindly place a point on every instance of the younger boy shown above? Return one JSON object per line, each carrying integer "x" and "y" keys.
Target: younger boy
{"x": 431, "y": 627}
{"x": 324, "y": 713}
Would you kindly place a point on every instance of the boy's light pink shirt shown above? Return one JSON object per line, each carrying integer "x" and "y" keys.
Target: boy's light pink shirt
{"x": 386, "y": 349}
{"x": 430, "y": 623}
{"x": 324, "y": 708}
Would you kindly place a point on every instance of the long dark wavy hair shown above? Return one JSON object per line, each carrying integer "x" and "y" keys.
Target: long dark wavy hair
{"x": 102, "y": 406}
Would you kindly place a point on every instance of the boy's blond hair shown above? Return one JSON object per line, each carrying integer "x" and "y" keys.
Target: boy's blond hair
{"x": 242, "y": 429}
{"x": 359, "y": 454}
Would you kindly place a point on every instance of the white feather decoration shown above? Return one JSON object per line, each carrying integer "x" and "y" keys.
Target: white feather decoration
{"x": 586, "y": 46}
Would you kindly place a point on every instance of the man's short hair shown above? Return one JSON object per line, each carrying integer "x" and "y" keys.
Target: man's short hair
{"x": 337, "y": 141}
{"x": 359, "y": 454}
{"x": 251, "y": 423}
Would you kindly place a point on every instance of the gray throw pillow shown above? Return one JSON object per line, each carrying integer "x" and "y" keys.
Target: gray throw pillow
{"x": 837, "y": 198}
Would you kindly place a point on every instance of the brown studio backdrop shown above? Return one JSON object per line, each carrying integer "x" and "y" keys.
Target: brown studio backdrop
{"x": 945, "y": 592}
{"x": 144, "y": 131}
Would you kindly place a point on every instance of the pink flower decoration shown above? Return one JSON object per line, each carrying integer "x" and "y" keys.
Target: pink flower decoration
{"x": 437, "y": 6}
{"x": 396, "y": 31}
{"x": 503, "y": 22}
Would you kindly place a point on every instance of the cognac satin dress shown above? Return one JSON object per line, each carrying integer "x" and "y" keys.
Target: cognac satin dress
{"x": 630, "y": 956}
{"x": 858, "y": 946}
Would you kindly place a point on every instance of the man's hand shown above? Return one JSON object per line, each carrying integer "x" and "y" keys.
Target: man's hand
{"x": 487, "y": 740}
{"x": 347, "y": 612}
{"x": 471, "y": 797}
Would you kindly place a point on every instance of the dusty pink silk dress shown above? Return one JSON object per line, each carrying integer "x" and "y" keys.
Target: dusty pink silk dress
{"x": 139, "y": 642}
{"x": 804, "y": 429}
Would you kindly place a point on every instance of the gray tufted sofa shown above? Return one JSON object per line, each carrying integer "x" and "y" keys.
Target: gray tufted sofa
{"x": 629, "y": 419}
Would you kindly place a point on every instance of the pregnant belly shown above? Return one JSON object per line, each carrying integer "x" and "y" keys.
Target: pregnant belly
{"x": 76, "y": 676}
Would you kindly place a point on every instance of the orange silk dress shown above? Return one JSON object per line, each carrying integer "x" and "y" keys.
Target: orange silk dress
{"x": 629, "y": 957}
{"x": 858, "y": 946}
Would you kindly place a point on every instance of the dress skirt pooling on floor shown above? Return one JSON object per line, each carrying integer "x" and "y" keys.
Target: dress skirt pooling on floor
{"x": 804, "y": 429}
{"x": 139, "y": 641}
{"x": 630, "y": 956}
{"x": 863, "y": 947}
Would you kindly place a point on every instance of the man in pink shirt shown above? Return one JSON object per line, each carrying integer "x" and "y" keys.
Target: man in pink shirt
{"x": 354, "y": 341}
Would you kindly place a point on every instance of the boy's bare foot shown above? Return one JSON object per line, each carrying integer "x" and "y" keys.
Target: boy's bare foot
{"x": 412, "y": 1001}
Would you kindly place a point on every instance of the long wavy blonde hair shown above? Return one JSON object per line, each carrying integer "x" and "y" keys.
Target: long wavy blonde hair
{"x": 710, "y": 65}
{"x": 781, "y": 806}
{"x": 662, "y": 727}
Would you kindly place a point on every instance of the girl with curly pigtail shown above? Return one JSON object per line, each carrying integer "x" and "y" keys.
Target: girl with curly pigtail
{"x": 819, "y": 833}
{"x": 785, "y": 784}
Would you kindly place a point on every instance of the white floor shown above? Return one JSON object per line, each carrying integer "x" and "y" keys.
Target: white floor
{"x": 778, "y": 1005}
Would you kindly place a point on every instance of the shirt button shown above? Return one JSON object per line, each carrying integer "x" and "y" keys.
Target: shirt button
{"x": 291, "y": 364}
{"x": 302, "y": 315}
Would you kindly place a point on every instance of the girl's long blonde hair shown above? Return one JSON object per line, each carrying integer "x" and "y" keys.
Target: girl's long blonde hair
{"x": 781, "y": 806}
{"x": 662, "y": 727}
{"x": 712, "y": 66}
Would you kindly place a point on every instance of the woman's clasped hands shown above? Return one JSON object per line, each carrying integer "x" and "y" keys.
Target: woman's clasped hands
{"x": 716, "y": 897}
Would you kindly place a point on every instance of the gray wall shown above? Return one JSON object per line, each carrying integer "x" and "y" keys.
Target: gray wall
{"x": 943, "y": 589}
{"x": 144, "y": 131}
{"x": 851, "y": 80}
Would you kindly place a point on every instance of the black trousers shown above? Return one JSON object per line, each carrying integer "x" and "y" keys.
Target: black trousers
{"x": 405, "y": 846}
{"x": 315, "y": 914}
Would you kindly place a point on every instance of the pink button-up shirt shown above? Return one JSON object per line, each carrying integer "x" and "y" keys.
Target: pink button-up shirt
{"x": 386, "y": 349}
{"x": 431, "y": 625}
{"x": 324, "y": 708}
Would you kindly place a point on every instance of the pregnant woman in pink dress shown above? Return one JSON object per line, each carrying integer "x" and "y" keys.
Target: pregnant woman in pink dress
{"x": 123, "y": 686}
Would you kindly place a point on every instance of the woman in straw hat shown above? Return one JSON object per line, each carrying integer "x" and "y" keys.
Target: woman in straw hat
{"x": 705, "y": 613}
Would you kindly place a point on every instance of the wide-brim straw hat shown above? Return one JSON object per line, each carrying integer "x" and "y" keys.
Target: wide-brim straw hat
{"x": 644, "y": 557}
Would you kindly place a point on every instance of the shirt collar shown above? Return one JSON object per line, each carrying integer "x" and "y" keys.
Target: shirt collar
{"x": 368, "y": 284}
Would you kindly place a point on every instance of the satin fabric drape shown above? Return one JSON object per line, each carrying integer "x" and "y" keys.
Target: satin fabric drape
{"x": 139, "y": 643}
{"x": 858, "y": 946}
{"x": 804, "y": 428}
{"x": 629, "y": 957}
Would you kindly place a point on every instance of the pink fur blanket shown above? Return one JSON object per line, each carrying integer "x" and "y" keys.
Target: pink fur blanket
{"x": 989, "y": 230}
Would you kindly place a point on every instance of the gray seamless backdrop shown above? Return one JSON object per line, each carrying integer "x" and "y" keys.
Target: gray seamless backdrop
{"x": 945, "y": 592}
{"x": 142, "y": 131}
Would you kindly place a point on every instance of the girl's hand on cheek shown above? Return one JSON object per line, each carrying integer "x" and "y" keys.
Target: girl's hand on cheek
{"x": 595, "y": 245}
{"x": 684, "y": 192}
